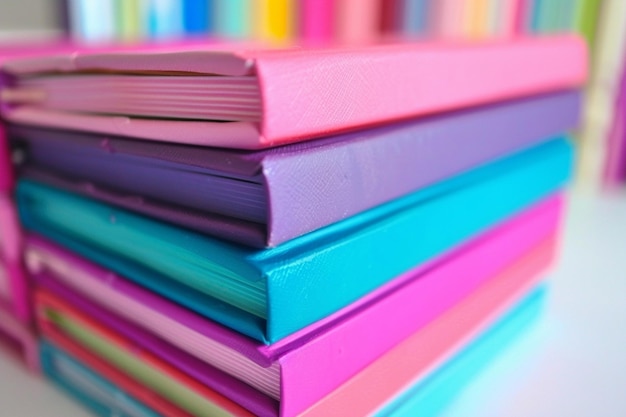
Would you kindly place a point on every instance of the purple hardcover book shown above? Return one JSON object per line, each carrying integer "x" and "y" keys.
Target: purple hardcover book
{"x": 264, "y": 198}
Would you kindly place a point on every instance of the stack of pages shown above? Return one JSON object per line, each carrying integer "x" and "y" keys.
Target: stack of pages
{"x": 216, "y": 231}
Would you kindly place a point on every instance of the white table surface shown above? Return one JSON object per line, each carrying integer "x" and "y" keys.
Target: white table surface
{"x": 571, "y": 363}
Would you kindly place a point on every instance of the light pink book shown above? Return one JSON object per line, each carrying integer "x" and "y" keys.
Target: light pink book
{"x": 357, "y": 20}
{"x": 258, "y": 98}
{"x": 448, "y": 18}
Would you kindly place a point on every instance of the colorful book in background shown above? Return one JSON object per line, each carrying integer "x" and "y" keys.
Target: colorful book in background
{"x": 448, "y": 19}
{"x": 198, "y": 17}
{"x": 233, "y": 18}
{"x": 131, "y": 20}
{"x": 315, "y": 21}
{"x": 602, "y": 92}
{"x": 93, "y": 21}
{"x": 165, "y": 19}
{"x": 274, "y": 20}
{"x": 476, "y": 18}
{"x": 615, "y": 167}
{"x": 554, "y": 16}
{"x": 524, "y": 17}
{"x": 357, "y": 21}
{"x": 586, "y": 18}
{"x": 415, "y": 17}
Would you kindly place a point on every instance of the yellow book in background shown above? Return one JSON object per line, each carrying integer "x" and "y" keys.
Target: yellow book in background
{"x": 129, "y": 17}
{"x": 274, "y": 19}
{"x": 476, "y": 18}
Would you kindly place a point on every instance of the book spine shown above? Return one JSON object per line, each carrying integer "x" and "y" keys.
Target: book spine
{"x": 344, "y": 169}
{"x": 385, "y": 88}
{"x": 439, "y": 225}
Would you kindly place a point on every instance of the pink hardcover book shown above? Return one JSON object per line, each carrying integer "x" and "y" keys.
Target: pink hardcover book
{"x": 429, "y": 349}
{"x": 13, "y": 280}
{"x": 20, "y": 338}
{"x": 325, "y": 354}
{"x": 236, "y": 98}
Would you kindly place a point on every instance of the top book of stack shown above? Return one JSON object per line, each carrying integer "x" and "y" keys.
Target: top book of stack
{"x": 226, "y": 96}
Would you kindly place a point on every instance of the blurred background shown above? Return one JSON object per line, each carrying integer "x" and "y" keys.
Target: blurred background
{"x": 602, "y": 23}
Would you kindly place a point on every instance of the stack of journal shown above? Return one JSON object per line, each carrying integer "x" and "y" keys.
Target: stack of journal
{"x": 318, "y": 232}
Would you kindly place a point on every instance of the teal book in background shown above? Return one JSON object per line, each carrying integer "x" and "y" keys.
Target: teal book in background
{"x": 233, "y": 18}
{"x": 414, "y": 16}
{"x": 165, "y": 19}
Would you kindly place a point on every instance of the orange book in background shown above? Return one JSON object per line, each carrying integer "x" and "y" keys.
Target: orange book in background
{"x": 357, "y": 20}
{"x": 475, "y": 18}
{"x": 274, "y": 19}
